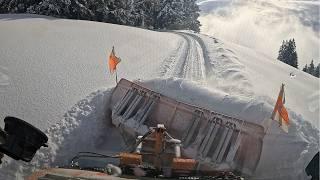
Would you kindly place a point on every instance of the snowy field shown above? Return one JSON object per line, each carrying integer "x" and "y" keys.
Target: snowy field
{"x": 53, "y": 74}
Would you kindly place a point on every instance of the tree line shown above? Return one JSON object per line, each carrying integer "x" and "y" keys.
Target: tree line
{"x": 288, "y": 55}
{"x": 311, "y": 69}
{"x": 151, "y": 14}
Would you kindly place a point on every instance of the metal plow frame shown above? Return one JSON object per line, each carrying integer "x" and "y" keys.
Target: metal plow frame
{"x": 217, "y": 141}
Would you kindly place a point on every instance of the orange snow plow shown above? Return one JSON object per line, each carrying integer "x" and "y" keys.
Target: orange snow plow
{"x": 216, "y": 141}
{"x": 166, "y": 138}
{"x": 156, "y": 154}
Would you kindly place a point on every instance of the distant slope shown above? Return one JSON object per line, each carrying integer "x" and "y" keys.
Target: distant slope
{"x": 302, "y": 89}
{"x": 263, "y": 25}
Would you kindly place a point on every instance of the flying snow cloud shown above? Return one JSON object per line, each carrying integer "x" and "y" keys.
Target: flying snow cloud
{"x": 264, "y": 24}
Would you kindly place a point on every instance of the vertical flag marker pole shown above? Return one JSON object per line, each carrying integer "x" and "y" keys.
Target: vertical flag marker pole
{"x": 116, "y": 76}
{"x": 113, "y": 61}
{"x": 280, "y": 113}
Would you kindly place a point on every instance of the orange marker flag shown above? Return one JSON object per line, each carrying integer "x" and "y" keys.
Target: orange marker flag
{"x": 280, "y": 113}
{"x": 113, "y": 61}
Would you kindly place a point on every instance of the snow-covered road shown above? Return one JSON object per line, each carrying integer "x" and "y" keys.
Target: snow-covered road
{"x": 187, "y": 61}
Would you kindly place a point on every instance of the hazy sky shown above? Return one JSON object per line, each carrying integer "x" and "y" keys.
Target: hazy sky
{"x": 263, "y": 24}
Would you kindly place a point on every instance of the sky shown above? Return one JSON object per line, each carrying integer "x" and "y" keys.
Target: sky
{"x": 264, "y": 24}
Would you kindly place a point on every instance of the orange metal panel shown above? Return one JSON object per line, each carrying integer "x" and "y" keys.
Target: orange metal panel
{"x": 69, "y": 173}
{"x": 183, "y": 164}
{"x": 130, "y": 158}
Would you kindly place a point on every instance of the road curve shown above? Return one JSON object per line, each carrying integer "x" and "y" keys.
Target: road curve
{"x": 187, "y": 61}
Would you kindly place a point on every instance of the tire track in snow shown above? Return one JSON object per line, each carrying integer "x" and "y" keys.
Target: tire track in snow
{"x": 206, "y": 60}
{"x": 187, "y": 61}
{"x": 4, "y": 77}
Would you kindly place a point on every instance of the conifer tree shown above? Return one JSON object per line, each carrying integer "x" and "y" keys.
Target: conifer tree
{"x": 293, "y": 59}
{"x": 153, "y": 14}
{"x": 288, "y": 54}
{"x": 311, "y": 68}
{"x": 317, "y": 71}
{"x": 281, "y": 55}
{"x": 305, "y": 69}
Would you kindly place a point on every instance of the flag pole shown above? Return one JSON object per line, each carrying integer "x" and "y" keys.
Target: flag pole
{"x": 269, "y": 120}
{"x": 116, "y": 76}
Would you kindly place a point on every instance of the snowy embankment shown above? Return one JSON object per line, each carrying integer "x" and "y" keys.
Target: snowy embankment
{"x": 48, "y": 65}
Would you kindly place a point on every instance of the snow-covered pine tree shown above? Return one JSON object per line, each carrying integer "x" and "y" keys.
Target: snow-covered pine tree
{"x": 311, "y": 68}
{"x": 293, "y": 57}
{"x": 192, "y": 14}
{"x": 153, "y": 14}
{"x": 168, "y": 14}
{"x": 305, "y": 69}
{"x": 288, "y": 54}
{"x": 118, "y": 12}
{"x": 148, "y": 12}
{"x": 317, "y": 71}
{"x": 282, "y": 50}
{"x": 100, "y": 9}
{"x": 16, "y": 6}
{"x": 178, "y": 14}
{"x": 56, "y": 8}
{"x": 74, "y": 9}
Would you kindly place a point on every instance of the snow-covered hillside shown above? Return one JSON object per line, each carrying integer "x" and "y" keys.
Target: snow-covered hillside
{"x": 54, "y": 75}
{"x": 262, "y": 25}
{"x": 48, "y": 64}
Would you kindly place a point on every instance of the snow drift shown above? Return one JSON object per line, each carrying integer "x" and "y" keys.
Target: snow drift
{"x": 284, "y": 156}
{"x": 48, "y": 64}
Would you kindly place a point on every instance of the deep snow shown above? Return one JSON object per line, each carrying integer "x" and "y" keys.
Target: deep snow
{"x": 54, "y": 75}
{"x": 48, "y": 64}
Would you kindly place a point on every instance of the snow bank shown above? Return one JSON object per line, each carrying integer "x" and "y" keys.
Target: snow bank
{"x": 85, "y": 127}
{"x": 48, "y": 64}
{"x": 241, "y": 71}
{"x": 255, "y": 80}
{"x": 284, "y": 156}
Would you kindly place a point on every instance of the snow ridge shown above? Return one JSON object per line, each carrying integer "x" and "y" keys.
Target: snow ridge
{"x": 84, "y": 127}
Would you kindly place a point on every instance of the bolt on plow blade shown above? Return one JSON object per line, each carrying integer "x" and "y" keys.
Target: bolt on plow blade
{"x": 217, "y": 141}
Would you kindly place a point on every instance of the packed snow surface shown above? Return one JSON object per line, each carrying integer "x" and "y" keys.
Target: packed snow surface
{"x": 54, "y": 75}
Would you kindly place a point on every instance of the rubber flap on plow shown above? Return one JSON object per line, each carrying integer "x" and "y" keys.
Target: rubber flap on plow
{"x": 217, "y": 141}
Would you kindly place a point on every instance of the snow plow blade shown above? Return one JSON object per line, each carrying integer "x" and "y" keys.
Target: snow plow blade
{"x": 219, "y": 142}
